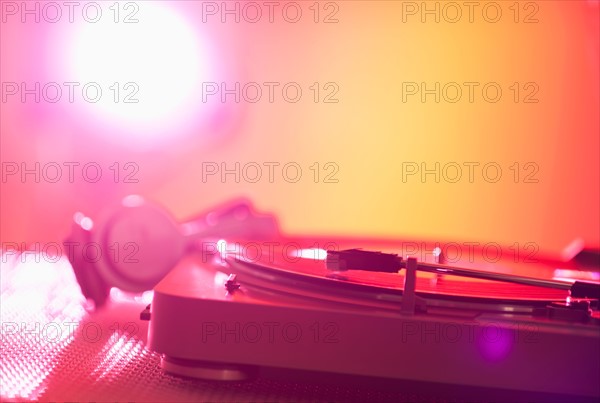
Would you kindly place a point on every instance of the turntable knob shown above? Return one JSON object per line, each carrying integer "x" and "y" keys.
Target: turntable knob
{"x": 232, "y": 284}
{"x": 438, "y": 256}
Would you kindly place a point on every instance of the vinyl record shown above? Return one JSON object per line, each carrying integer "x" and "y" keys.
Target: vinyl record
{"x": 305, "y": 276}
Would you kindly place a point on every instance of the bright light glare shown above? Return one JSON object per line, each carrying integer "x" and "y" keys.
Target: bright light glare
{"x": 222, "y": 248}
{"x": 312, "y": 253}
{"x": 87, "y": 223}
{"x": 157, "y": 61}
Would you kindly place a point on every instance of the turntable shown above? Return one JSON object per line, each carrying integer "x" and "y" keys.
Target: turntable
{"x": 226, "y": 315}
{"x": 259, "y": 302}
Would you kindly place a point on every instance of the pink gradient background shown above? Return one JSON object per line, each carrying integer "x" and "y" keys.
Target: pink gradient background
{"x": 368, "y": 133}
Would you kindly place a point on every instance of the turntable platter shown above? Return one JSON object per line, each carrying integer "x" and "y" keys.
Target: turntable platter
{"x": 305, "y": 275}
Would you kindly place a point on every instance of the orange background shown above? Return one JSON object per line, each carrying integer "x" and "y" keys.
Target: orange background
{"x": 369, "y": 133}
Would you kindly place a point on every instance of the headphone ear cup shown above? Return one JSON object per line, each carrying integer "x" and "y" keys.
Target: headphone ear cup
{"x": 90, "y": 281}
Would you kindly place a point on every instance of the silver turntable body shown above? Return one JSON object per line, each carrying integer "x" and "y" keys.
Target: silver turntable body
{"x": 221, "y": 317}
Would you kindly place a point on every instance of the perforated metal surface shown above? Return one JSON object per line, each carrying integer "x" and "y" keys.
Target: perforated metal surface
{"x": 54, "y": 349}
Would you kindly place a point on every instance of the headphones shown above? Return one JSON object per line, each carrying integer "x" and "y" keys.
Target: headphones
{"x": 135, "y": 243}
